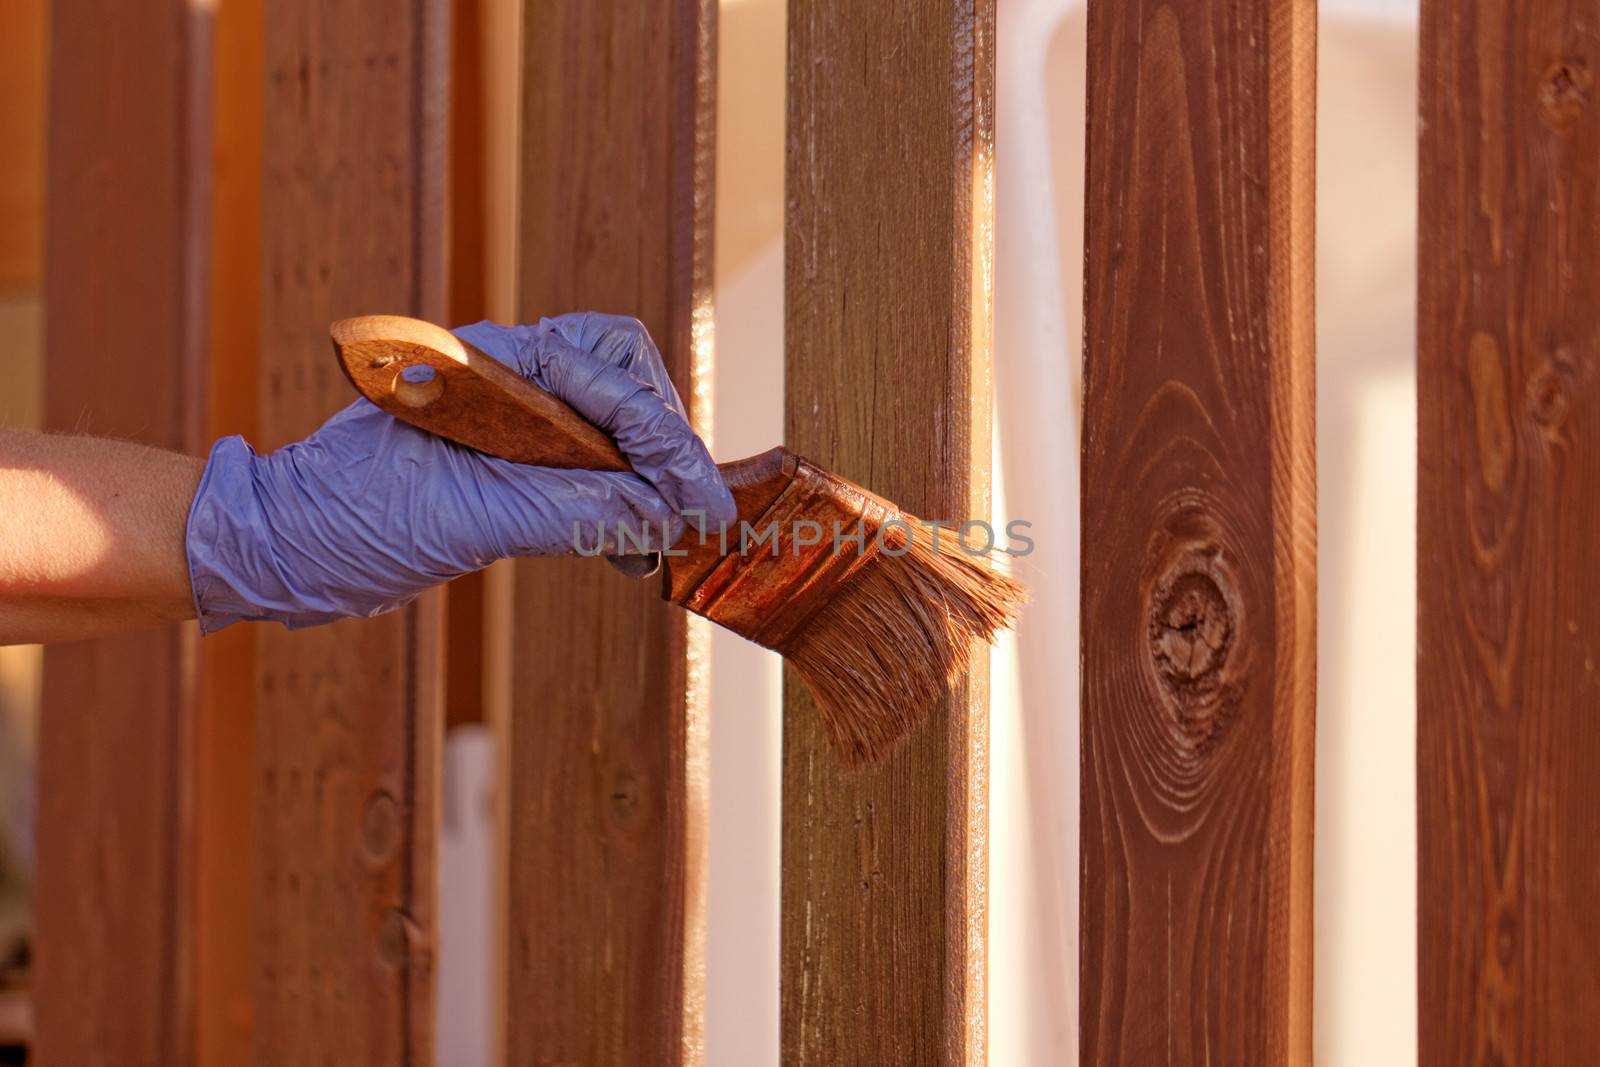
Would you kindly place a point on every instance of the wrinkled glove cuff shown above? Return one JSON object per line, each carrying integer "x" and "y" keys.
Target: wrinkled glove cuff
{"x": 233, "y": 571}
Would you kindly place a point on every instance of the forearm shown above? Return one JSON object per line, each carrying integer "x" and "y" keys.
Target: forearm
{"x": 92, "y": 537}
{"x": 49, "y": 620}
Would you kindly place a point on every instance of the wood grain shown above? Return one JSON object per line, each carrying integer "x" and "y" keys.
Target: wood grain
{"x": 349, "y": 716}
{"x": 605, "y": 962}
{"x": 888, "y": 259}
{"x": 1198, "y": 518}
{"x": 114, "y": 980}
{"x": 1508, "y": 678}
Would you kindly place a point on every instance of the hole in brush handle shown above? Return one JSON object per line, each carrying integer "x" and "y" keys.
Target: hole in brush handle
{"x": 418, "y": 385}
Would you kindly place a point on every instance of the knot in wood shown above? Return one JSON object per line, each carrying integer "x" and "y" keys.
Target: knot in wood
{"x": 624, "y": 795}
{"x": 1194, "y": 631}
{"x": 380, "y": 827}
{"x": 1564, "y": 92}
{"x": 399, "y": 939}
{"x": 1191, "y": 628}
{"x": 1547, "y": 390}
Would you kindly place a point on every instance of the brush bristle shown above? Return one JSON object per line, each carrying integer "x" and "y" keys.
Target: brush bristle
{"x": 888, "y": 644}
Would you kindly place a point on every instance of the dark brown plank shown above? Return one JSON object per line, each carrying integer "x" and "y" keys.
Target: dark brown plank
{"x": 1199, "y": 537}
{"x": 607, "y": 735}
{"x": 1508, "y": 517}
{"x": 468, "y": 302}
{"x": 225, "y": 728}
{"x": 114, "y": 977}
{"x": 349, "y": 717}
{"x": 889, "y": 245}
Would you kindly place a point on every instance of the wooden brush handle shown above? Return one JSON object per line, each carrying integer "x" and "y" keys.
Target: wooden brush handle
{"x": 475, "y": 400}
{"x": 471, "y": 398}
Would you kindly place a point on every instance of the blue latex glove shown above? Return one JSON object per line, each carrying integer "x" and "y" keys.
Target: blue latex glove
{"x": 368, "y": 512}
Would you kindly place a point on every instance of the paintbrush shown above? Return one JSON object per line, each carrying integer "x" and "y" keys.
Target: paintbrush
{"x": 875, "y": 614}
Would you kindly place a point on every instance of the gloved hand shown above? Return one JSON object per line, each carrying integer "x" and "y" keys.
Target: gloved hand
{"x": 368, "y": 512}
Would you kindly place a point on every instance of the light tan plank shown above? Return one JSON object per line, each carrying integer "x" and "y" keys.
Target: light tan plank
{"x": 888, "y": 258}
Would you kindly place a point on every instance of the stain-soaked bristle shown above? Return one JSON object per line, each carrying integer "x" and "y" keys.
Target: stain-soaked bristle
{"x": 888, "y": 644}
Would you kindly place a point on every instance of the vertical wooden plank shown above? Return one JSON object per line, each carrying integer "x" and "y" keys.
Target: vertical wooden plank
{"x": 1508, "y": 517}
{"x": 1198, "y": 534}
{"x": 499, "y": 61}
{"x": 888, "y": 261}
{"x": 22, "y": 135}
{"x": 225, "y": 924}
{"x": 467, "y": 302}
{"x": 126, "y": 157}
{"x": 23, "y": 85}
{"x": 349, "y": 716}
{"x": 607, "y": 747}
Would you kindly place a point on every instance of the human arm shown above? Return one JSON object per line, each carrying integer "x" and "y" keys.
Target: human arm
{"x": 363, "y": 515}
{"x": 92, "y": 539}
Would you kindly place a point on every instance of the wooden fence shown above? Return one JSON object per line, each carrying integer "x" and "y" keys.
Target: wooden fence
{"x": 239, "y": 836}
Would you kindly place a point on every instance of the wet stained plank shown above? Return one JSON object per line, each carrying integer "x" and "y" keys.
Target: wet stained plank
{"x": 1508, "y": 678}
{"x": 1199, "y": 539}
